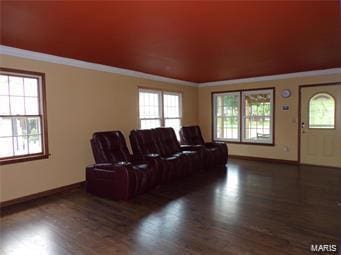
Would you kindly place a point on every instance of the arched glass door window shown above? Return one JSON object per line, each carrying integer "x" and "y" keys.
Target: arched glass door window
{"x": 322, "y": 111}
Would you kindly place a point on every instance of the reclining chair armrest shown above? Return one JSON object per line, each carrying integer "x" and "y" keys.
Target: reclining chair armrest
{"x": 151, "y": 158}
{"x": 145, "y": 158}
{"x": 191, "y": 147}
{"x": 105, "y": 166}
{"x": 122, "y": 164}
{"x": 216, "y": 144}
{"x": 109, "y": 166}
{"x": 211, "y": 144}
{"x": 152, "y": 155}
{"x": 106, "y": 176}
{"x": 221, "y": 147}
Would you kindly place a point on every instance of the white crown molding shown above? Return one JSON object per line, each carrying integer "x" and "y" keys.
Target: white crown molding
{"x": 11, "y": 51}
{"x": 272, "y": 77}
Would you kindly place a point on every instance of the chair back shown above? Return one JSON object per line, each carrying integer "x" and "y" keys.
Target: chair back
{"x": 144, "y": 141}
{"x": 191, "y": 135}
{"x": 168, "y": 142}
{"x": 109, "y": 147}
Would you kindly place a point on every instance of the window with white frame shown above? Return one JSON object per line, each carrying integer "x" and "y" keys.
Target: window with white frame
{"x": 172, "y": 110}
{"x": 23, "y": 131}
{"x": 160, "y": 109}
{"x": 244, "y": 116}
{"x": 257, "y": 116}
{"x": 150, "y": 108}
{"x": 227, "y": 120}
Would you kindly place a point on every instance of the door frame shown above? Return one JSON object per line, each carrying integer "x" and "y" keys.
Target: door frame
{"x": 301, "y": 87}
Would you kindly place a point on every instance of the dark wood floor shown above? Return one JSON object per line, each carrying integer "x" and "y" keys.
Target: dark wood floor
{"x": 252, "y": 208}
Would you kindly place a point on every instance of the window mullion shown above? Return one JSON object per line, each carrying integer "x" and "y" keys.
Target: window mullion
{"x": 162, "y": 109}
{"x": 12, "y": 126}
{"x": 9, "y": 97}
{"x": 241, "y": 117}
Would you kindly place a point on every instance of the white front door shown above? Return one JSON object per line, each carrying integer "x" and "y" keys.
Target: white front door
{"x": 321, "y": 125}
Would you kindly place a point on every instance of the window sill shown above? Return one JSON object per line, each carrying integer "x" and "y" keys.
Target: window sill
{"x": 246, "y": 143}
{"x": 24, "y": 158}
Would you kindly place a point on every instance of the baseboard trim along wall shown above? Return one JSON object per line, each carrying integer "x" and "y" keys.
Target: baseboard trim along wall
{"x": 41, "y": 194}
{"x": 270, "y": 160}
{"x": 331, "y": 167}
{"x": 280, "y": 161}
{"x": 80, "y": 184}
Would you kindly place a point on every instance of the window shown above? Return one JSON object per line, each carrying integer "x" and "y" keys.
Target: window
{"x": 22, "y": 116}
{"x": 227, "y": 112}
{"x": 150, "y": 109}
{"x": 244, "y": 116}
{"x": 257, "y": 116}
{"x": 160, "y": 109}
{"x": 322, "y": 111}
{"x": 172, "y": 110}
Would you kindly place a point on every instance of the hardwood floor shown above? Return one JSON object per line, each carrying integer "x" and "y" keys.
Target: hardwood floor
{"x": 252, "y": 208}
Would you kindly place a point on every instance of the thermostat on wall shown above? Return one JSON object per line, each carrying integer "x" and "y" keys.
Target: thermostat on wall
{"x": 285, "y": 107}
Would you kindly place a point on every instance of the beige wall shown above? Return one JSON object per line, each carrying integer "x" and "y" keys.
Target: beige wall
{"x": 79, "y": 102}
{"x": 286, "y": 126}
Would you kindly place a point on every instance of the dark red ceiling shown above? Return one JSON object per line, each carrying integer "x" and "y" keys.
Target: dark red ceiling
{"x": 193, "y": 41}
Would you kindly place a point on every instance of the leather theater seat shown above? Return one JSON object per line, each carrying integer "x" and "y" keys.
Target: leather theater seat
{"x": 117, "y": 174}
{"x": 213, "y": 153}
{"x": 147, "y": 142}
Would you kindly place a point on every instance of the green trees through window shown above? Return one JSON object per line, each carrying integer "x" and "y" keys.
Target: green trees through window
{"x": 243, "y": 116}
{"x": 257, "y": 116}
{"x": 227, "y": 119}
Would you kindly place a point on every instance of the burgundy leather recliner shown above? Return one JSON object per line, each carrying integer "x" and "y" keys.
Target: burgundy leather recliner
{"x": 170, "y": 145}
{"x": 117, "y": 174}
{"x": 213, "y": 153}
{"x": 146, "y": 142}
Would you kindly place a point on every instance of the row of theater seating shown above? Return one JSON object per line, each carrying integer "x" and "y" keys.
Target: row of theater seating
{"x": 157, "y": 158}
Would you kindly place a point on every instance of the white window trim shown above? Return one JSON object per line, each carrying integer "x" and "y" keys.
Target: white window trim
{"x": 241, "y": 93}
{"x": 215, "y": 116}
{"x": 42, "y": 116}
{"x": 254, "y": 92}
{"x": 161, "y": 93}
{"x": 160, "y": 99}
{"x": 180, "y": 102}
